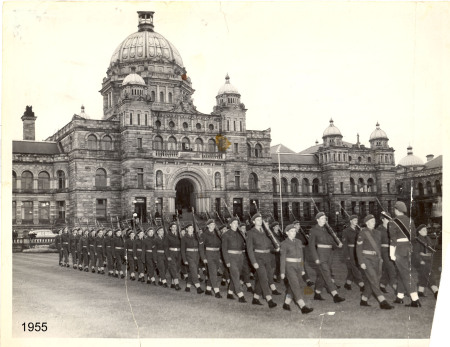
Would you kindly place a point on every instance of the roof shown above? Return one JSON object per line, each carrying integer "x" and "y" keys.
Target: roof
{"x": 35, "y": 147}
{"x": 315, "y": 149}
{"x": 294, "y": 158}
{"x": 434, "y": 163}
{"x": 283, "y": 149}
{"x": 227, "y": 88}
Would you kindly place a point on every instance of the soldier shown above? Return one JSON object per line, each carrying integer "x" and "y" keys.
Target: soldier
{"x": 130, "y": 257}
{"x": 65, "y": 246}
{"x": 402, "y": 233}
{"x": 79, "y": 251}
{"x": 189, "y": 253}
{"x": 292, "y": 265}
{"x": 321, "y": 255}
{"x": 161, "y": 260}
{"x": 210, "y": 255}
{"x": 232, "y": 244}
{"x": 138, "y": 256}
{"x": 83, "y": 249}
{"x": 306, "y": 253}
{"x": 73, "y": 247}
{"x": 388, "y": 272}
{"x": 107, "y": 245}
{"x": 173, "y": 253}
{"x": 59, "y": 246}
{"x": 118, "y": 253}
{"x": 258, "y": 250}
{"x": 246, "y": 267}
{"x": 275, "y": 226}
{"x": 349, "y": 236}
{"x": 149, "y": 253}
{"x": 225, "y": 272}
{"x": 426, "y": 276}
{"x": 100, "y": 252}
{"x": 368, "y": 250}
{"x": 91, "y": 242}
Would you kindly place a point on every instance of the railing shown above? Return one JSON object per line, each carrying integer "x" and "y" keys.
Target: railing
{"x": 163, "y": 153}
{"x": 207, "y": 155}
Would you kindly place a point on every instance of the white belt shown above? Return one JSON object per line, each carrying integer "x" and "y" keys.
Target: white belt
{"x": 174, "y": 249}
{"x": 160, "y": 251}
{"x": 294, "y": 260}
{"x": 212, "y": 249}
{"x": 347, "y": 245}
{"x": 192, "y": 249}
{"x": 118, "y": 247}
{"x": 425, "y": 254}
{"x": 234, "y": 252}
{"x": 324, "y": 246}
{"x": 403, "y": 239}
{"x": 369, "y": 252}
{"x": 262, "y": 250}
{"x": 384, "y": 245}
{"x": 148, "y": 250}
{"x": 99, "y": 246}
{"x": 129, "y": 249}
{"x": 139, "y": 249}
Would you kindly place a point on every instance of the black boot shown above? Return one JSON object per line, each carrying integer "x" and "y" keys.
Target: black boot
{"x": 275, "y": 292}
{"x": 306, "y": 309}
{"x": 230, "y": 296}
{"x": 218, "y": 296}
{"x": 384, "y": 305}
{"x": 187, "y": 289}
{"x": 249, "y": 290}
{"x": 364, "y": 303}
{"x": 421, "y": 294}
{"x": 337, "y": 298}
{"x": 317, "y": 296}
{"x": 271, "y": 304}
{"x": 177, "y": 287}
{"x": 165, "y": 285}
{"x": 436, "y": 294}
{"x": 383, "y": 289}
{"x": 208, "y": 292}
{"x": 200, "y": 290}
{"x": 347, "y": 286}
{"x": 286, "y": 307}
{"x": 256, "y": 302}
{"x": 414, "y": 304}
{"x": 398, "y": 300}
{"x": 310, "y": 284}
{"x": 242, "y": 299}
{"x": 361, "y": 289}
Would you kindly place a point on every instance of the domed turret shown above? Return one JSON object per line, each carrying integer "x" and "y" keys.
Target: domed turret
{"x": 378, "y": 138}
{"x": 228, "y": 94}
{"x": 133, "y": 86}
{"x": 133, "y": 78}
{"x": 227, "y": 88}
{"x": 410, "y": 160}
{"x": 332, "y": 135}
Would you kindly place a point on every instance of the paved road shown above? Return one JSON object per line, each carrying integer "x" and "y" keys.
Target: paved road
{"x": 80, "y": 304}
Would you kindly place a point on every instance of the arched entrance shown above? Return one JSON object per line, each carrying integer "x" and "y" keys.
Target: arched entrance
{"x": 184, "y": 198}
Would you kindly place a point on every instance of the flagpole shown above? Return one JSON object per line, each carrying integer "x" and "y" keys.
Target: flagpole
{"x": 279, "y": 179}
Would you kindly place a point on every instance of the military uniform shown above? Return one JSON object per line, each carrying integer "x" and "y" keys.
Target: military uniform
{"x": 92, "y": 257}
{"x": 173, "y": 253}
{"x": 73, "y": 247}
{"x": 59, "y": 248}
{"x": 210, "y": 254}
{"x": 107, "y": 245}
{"x": 388, "y": 272}
{"x": 129, "y": 245}
{"x": 83, "y": 250}
{"x": 426, "y": 275}
{"x": 349, "y": 236}
{"x": 149, "y": 258}
{"x": 292, "y": 264}
{"x": 138, "y": 249}
{"x": 190, "y": 255}
{"x": 65, "y": 247}
{"x": 100, "y": 254}
{"x": 161, "y": 260}
{"x": 118, "y": 253}
{"x": 232, "y": 244}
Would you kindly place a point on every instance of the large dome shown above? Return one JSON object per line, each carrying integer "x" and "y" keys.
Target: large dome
{"x": 133, "y": 78}
{"x": 410, "y": 159}
{"x": 227, "y": 88}
{"x": 378, "y": 133}
{"x": 332, "y": 130}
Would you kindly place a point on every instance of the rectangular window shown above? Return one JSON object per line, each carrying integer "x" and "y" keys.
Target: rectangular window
{"x": 234, "y": 125}
{"x": 307, "y": 211}
{"x": 285, "y": 210}
{"x": 139, "y": 119}
{"x": 139, "y": 142}
{"x": 389, "y": 207}
{"x": 146, "y": 119}
{"x": 236, "y": 147}
{"x": 353, "y": 207}
{"x": 100, "y": 210}
{"x": 240, "y": 126}
{"x": 61, "y": 209}
{"x": 275, "y": 210}
{"x": 140, "y": 178}
{"x": 342, "y": 186}
{"x": 14, "y": 211}
{"x": 237, "y": 179}
{"x": 362, "y": 208}
{"x": 131, "y": 119}
{"x": 372, "y": 207}
{"x": 388, "y": 186}
{"x": 27, "y": 211}
{"x": 228, "y": 125}
{"x": 253, "y": 207}
{"x": 342, "y": 208}
{"x": 318, "y": 207}
{"x": 44, "y": 212}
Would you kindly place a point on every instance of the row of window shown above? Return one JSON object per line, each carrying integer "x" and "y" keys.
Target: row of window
{"x": 43, "y": 182}
{"x": 421, "y": 188}
{"x": 337, "y": 157}
{"x": 26, "y": 211}
{"x": 105, "y": 144}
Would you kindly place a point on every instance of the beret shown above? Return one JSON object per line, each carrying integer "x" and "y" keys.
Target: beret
{"x": 256, "y": 215}
{"x": 421, "y": 226}
{"x": 233, "y": 219}
{"x": 242, "y": 225}
{"x": 320, "y": 214}
{"x": 353, "y": 216}
{"x": 222, "y": 226}
{"x": 296, "y": 221}
{"x": 368, "y": 217}
{"x": 188, "y": 225}
{"x": 210, "y": 221}
{"x": 400, "y": 205}
{"x": 274, "y": 224}
{"x": 289, "y": 227}
{"x": 171, "y": 224}
{"x": 159, "y": 228}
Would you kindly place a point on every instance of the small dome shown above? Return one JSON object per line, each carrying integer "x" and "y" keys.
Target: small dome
{"x": 378, "y": 134}
{"x": 332, "y": 130}
{"x": 228, "y": 88}
{"x": 133, "y": 78}
{"x": 411, "y": 159}
{"x": 83, "y": 114}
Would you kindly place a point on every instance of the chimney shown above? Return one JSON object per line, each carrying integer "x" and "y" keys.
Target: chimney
{"x": 430, "y": 157}
{"x": 28, "y": 120}
{"x": 357, "y": 140}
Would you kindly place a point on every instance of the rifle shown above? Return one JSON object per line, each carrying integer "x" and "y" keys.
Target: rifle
{"x": 220, "y": 219}
{"x": 266, "y": 228}
{"x": 194, "y": 222}
{"x": 305, "y": 235}
{"x": 431, "y": 249}
{"x": 329, "y": 229}
{"x": 348, "y": 215}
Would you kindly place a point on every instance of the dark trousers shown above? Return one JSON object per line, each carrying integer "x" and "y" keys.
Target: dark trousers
{"x": 262, "y": 272}
{"x": 388, "y": 271}
{"x": 236, "y": 262}
{"x": 149, "y": 264}
{"x": 118, "y": 261}
{"x": 213, "y": 258}
{"x": 425, "y": 273}
{"x": 131, "y": 262}
{"x": 84, "y": 257}
{"x": 74, "y": 254}
{"x": 175, "y": 264}
{"x": 65, "y": 250}
{"x": 140, "y": 263}
{"x": 246, "y": 269}
{"x": 161, "y": 263}
{"x": 109, "y": 261}
{"x": 100, "y": 258}
{"x": 406, "y": 284}
{"x": 92, "y": 256}
{"x": 353, "y": 272}
{"x": 372, "y": 275}
{"x": 293, "y": 275}
{"x": 192, "y": 259}
{"x": 323, "y": 270}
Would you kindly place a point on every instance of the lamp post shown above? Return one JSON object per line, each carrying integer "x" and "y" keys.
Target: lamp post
{"x": 134, "y": 213}
{"x": 279, "y": 179}
{"x": 337, "y": 219}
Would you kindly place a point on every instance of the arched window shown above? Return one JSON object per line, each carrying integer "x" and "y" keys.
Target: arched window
{"x": 274, "y": 185}
{"x": 370, "y": 185}
{"x": 369, "y": 159}
{"x": 360, "y": 185}
{"x": 420, "y": 188}
{"x": 359, "y": 159}
{"x": 27, "y": 180}
{"x": 153, "y": 95}
{"x": 217, "y": 180}
{"x": 294, "y": 185}
{"x": 352, "y": 185}
{"x": 258, "y": 151}
{"x": 61, "y": 179}
{"x": 249, "y": 150}
{"x": 437, "y": 184}
{"x": 252, "y": 181}
{"x": 107, "y": 143}
{"x": 92, "y": 142}
{"x": 198, "y": 145}
{"x": 170, "y": 97}
{"x": 185, "y": 144}
{"x": 161, "y": 96}
{"x": 159, "y": 178}
{"x": 158, "y": 124}
{"x": 14, "y": 180}
{"x": 158, "y": 142}
{"x": 211, "y": 145}
{"x": 100, "y": 178}
{"x": 400, "y": 189}
{"x": 172, "y": 144}
{"x": 43, "y": 180}
{"x": 429, "y": 188}
{"x": 315, "y": 185}
{"x": 284, "y": 184}
{"x": 305, "y": 185}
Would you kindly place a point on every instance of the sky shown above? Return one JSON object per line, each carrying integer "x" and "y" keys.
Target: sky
{"x": 296, "y": 64}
